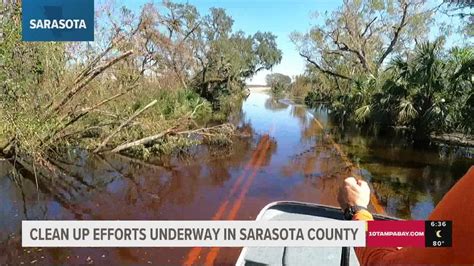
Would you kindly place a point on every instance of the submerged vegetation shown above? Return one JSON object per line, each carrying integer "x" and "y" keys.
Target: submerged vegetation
{"x": 373, "y": 63}
{"x": 152, "y": 83}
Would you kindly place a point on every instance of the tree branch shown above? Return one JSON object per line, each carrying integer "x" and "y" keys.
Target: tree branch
{"x": 367, "y": 27}
{"x": 94, "y": 73}
{"x": 342, "y": 46}
{"x": 142, "y": 141}
{"x": 395, "y": 36}
{"x": 106, "y": 140}
{"x": 326, "y": 71}
{"x": 83, "y": 113}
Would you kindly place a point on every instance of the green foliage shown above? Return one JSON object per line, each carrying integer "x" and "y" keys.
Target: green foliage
{"x": 202, "y": 52}
{"x": 430, "y": 92}
{"x": 360, "y": 36}
{"x": 362, "y": 62}
{"x": 279, "y": 83}
{"x": 25, "y": 70}
{"x": 173, "y": 144}
{"x": 277, "y": 78}
{"x": 226, "y": 58}
{"x": 167, "y": 70}
{"x": 300, "y": 87}
{"x": 279, "y": 89}
{"x": 228, "y": 105}
{"x": 176, "y": 103}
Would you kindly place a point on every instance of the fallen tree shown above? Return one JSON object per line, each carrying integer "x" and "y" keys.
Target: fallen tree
{"x": 457, "y": 139}
{"x": 136, "y": 89}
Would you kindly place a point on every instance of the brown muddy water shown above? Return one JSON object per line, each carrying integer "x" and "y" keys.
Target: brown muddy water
{"x": 289, "y": 155}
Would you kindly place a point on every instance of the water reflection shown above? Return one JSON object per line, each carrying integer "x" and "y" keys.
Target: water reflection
{"x": 409, "y": 181}
{"x": 301, "y": 164}
{"x": 275, "y": 104}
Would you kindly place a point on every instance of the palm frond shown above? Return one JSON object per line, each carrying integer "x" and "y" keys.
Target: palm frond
{"x": 363, "y": 113}
{"x": 406, "y": 111}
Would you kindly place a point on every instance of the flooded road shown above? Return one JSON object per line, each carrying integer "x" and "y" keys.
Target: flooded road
{"x": 291, "y": 154}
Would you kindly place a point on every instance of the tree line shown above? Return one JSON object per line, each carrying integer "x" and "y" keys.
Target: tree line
{"x": 375, "y": 63}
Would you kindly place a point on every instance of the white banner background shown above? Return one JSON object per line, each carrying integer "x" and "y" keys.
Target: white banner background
{"x": 307, "y": 227}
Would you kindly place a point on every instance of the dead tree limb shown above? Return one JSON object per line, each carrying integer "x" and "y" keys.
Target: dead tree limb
{"x": 142, "y": 141}
{"x": 99, "y": 104}
{"x": 325, "y": 71}
{"x": 84, "y": 112}
{"x": 201, "y": 131}
{"x": 137, "y": 113}
{"x": 87, "y": 70}
{"x": 94, "y": 73}
{"x": 396, "y": 35}
{"x": 153, "y": 137}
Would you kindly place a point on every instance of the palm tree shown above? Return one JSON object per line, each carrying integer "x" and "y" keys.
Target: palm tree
{"x": 429, "y": 93}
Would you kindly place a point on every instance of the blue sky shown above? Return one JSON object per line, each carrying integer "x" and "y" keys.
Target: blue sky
{"x": 281, "y": 17}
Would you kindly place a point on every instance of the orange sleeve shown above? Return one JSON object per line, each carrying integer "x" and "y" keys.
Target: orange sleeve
{"x": 363, "y": 215}
{"x": 458, "y": 206}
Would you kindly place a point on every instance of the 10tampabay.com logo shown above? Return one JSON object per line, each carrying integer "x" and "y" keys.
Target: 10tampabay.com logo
{"x": 58, "y": 20}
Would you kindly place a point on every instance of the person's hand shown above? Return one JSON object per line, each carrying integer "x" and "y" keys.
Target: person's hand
{"x": 353, "y": 192}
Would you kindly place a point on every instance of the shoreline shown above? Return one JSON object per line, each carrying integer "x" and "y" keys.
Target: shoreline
{"x": 258, "y": 88}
